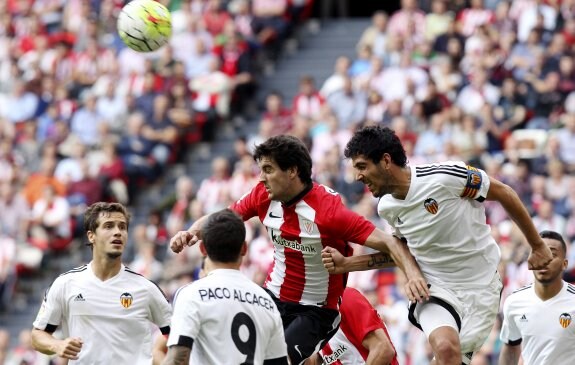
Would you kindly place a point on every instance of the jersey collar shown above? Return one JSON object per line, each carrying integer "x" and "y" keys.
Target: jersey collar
{"x": 299, "y": 197}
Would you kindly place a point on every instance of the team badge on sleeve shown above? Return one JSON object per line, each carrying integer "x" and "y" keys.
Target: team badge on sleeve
{"x": 473, "y": 183}
{"x": 126, "y": 299}
{"x": 565, "y": 320}
{"x": 431, "y": 205}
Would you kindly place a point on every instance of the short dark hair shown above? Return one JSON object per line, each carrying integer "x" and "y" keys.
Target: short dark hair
{"x": 223, "y": 235}
{"x": 287, "y": 151}
{"x": 93, "y": 213}
{"x": 373, "y": 141}
{"x": 555, "y": 236}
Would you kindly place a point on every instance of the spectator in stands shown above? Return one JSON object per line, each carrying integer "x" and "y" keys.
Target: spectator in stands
{"x": 277, "y": 113}
{"x": 307, "y": 102}
{"x": 7, "y": 270}
{"x": 214, "y": 192}
{"x": 34, "y": 187}
{"x": 50, "y": 226}
{"x": 375, "y": 36}
{"x": 348, "y": 105}
{"x": 566, "y": 139}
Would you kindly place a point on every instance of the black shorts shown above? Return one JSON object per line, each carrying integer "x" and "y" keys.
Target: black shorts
{"x": 307, "y": 328}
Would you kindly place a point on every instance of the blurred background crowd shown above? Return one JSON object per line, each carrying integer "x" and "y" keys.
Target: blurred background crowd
{"x": 83, "y": 119}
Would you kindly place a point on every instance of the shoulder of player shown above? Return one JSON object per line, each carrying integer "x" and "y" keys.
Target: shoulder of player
{"x": 570, "y": 288}
{"x": 441, "y": 171}
{"x": 73, "y": 272}
{"x": 141, "y": 279}
{"x": 519, "y": 293}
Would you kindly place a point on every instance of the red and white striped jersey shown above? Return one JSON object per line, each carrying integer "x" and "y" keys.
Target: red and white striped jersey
{"x": 358, "y": 319}
{"x": 299, "y": 231}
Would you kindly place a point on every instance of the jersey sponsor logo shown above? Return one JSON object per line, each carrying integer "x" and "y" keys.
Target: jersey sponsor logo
{"x": 126, "y": 300}
{"x": 271, "y": 215}
{"x": 294, "y": 245}
{"x": 79, "y": 298}
{"x": 431, "y": 205}
{"x": 523, "y": 319}
{"x": 334, "y": 356}
{"x": 565, "y": 320}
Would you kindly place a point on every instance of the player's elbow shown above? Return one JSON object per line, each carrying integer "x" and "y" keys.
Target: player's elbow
{"x": 384, "y": 354}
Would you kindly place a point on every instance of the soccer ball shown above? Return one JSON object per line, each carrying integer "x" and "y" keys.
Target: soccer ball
{"x": 144, "y": 25}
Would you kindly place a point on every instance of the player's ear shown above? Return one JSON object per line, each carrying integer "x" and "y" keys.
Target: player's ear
{"x": 244, "y": 249}
{"x": 203, "y": 249}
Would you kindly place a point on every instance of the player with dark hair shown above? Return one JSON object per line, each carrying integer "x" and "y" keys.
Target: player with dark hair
{"x": 538, "y": 322}
{"x": 436, "y": 209}
{"x": 103, "y": 308}
{"x": 301, "y": 218}
{"x": 210, "y": 314}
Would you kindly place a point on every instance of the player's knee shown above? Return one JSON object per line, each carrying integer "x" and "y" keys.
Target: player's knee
{"x": 446, "y": 350}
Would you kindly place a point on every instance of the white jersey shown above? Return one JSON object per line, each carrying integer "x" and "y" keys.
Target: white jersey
{"x": 112, "y": 317}
{"x": 545, "y": 329}
{"x": 227, "y": 319}
{"x": 444, "y": 223}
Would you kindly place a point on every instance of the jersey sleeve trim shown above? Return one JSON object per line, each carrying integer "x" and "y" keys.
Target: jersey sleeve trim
{"x": 185, "y": 341}
{"x": 515, "y": 342}
{"x": 50, "y": 328}
{"x": 165, "y": 330}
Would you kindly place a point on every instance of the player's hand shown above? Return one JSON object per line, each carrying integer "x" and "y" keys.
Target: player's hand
{"x": 416, "y": 289}
{"x": 181, "y": 240}
{"x": 333, "y": 260}
{"x": 69, "y": 348}
{"x": 539, "y": 257}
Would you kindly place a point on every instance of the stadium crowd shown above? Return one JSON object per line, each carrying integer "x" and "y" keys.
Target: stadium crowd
{"x": 84, "y": 119}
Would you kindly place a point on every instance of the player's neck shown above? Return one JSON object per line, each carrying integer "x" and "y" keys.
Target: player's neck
{"x": 402, "y": 183}
{"x": 105, "y": 268}
{"x": 548, "y": 291}
{"x": 224, "y": 265}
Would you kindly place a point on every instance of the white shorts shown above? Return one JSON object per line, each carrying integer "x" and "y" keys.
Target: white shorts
{"x": 474, "y": 310}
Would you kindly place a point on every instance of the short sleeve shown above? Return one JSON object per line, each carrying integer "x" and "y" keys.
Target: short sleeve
{"x": 350, "y": 226}
{"x": 509, "y": 334}
{"x": 52, "y": 308}
{"x": 476, "y": 185}
{"x": 160, "y": 308}
{"x": 186, "y": 319}
{"x": 247, "y": 205}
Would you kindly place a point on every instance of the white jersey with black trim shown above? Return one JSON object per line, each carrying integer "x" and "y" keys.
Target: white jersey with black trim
{"x": 227, "y": 319}
{"x": 443, "y": 220}
{"x": 113, "y": 317}
{"x": 545, "y": 329}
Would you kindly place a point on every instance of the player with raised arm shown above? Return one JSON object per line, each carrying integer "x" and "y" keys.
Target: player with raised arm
{"x": 362, "y": 337}
{"x": 538, "y": 318}
{"x": 436, "y": 209}
{"x": 301, "y": 218}
{"x": 225, "y": 318}
{"x": 103, "y": 308}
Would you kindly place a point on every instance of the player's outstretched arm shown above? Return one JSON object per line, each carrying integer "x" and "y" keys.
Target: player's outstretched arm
{"x": 46, "y": 343}
{"x": 336, "y": 263}
{"x": 380, "y": 349}
{"x": 416, "y": 285}
{"x": 509, "y": 355}
{"x": 540, "y": 254}
{"x": 178, "y": 355}
{"x": 189, "y": 237}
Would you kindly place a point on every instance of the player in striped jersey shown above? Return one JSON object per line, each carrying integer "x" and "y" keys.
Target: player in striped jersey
{"x": 437, "y": 210}
{"x": 303, "y": 217}
{"x": 539, "y": 319}
{"x": 104, "y": 309}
